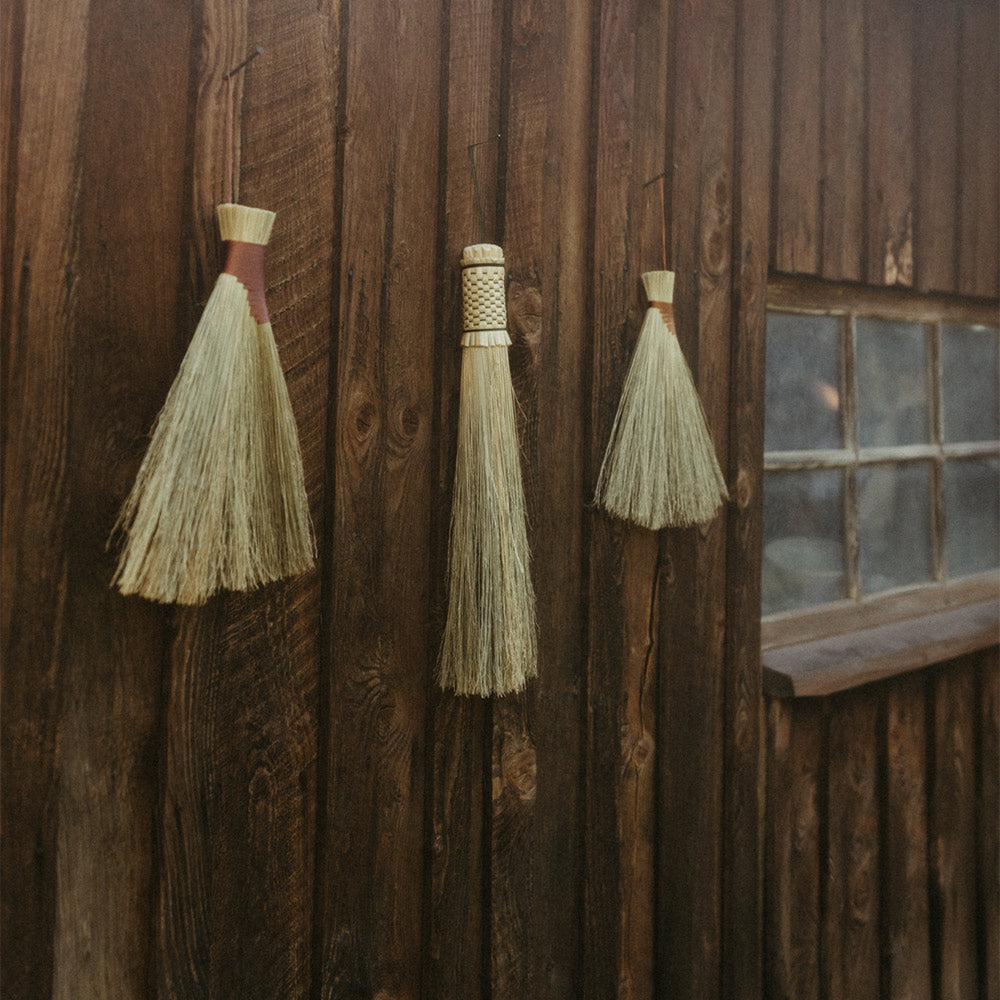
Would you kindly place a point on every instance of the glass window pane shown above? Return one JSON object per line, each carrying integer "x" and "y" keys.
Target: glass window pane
{"x": 892, "y": 383}
{"x": 802, "y": 395}
{"x": 969, "y": 376}
{"x": 803, "y": 539}
{"x": 972, "y": 513}
{"x": 894, "y": 514}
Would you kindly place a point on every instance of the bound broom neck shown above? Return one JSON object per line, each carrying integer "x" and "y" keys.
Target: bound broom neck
{"x": 247, "y": 230}
{"x": 484, "y": 307}
{"x": 659, "y": 287}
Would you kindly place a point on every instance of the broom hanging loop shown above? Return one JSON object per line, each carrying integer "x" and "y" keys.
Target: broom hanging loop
{"x": 475, "y": 186}
{"x": 228, "y": 195}
{"x": 661, "y": 177}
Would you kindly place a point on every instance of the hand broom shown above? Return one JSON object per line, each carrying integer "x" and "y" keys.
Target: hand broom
{"x": 660, "y": 466}
{"x": 219, "y": 501}
{"x": 489, "y": 643}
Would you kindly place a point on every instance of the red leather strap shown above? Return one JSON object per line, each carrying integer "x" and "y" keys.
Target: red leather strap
{"x": 666, "y": 311}
{"x": 245, "y": 262}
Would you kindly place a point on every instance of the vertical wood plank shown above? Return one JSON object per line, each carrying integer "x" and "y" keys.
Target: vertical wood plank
{"x": 39, "y": 305}
{"x": 12, "y": 17}
{"x": 936, "y": 152}
{"x": 851, "y": 918}
{"x": 537, "y": 837}
{"x": 458, "y": 726}
{"x": 843, "y": 140}
{"x": 906, "y": 920}
{"x": 979, "y": 139}
{"x": 797, "y": 218}
{"x": 239, "y": 783}
{"x": 693, "y": 605}
{"x": 742, "y": 932}
{"x": 792, "y": 874}
{"x": 952, "y": 828}
{"x": 384, "y": 461}
{"x": 890, "y": 37}
{"x": 988, "y": 835}
{"x": 130, "y": 214}
{"x": 624, "y": 561}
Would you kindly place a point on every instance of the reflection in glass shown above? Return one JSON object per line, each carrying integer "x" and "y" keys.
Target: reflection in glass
{"x": 802, "y": 402}
{"x": 969, "y": 379}
{"x": 972, "y": 513}
{"x": 894, "y": 514}
{"x": 892, "y": 383}
{"x": 803, "y": 539}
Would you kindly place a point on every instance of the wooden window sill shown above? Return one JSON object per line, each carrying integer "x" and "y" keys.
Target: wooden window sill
{"x": 835, "y": 663}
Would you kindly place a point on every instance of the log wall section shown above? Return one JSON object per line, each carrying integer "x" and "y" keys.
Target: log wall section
{"x": 267, "y": 796}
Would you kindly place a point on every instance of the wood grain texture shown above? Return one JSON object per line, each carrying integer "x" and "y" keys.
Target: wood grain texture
{"x": 460, "y": 732}
{"x": 987, "y": 822}
{"x": 381, "y": 650}
{"x": 693, "y": 584}
{"x": 267, "y": 797}
{"x": 111, "y": 669}
{"x": 792, "y": 858}
{"x": 744, "y": 745}
{"x": 41, "y": 202}
{"x": 843, "y": 140}
{"x": 936, "y": 92}
{"x": 851, "y": 914}
{"x": 978, "y": 237}
{"x": 797, "y": 214}
{"x": 537, "y": 836}
{"x": 238, "y": 834}
{"x": 952, "y": 832}
{"x": 890, "y": 37}
{"x": 906, "y": 916}
{"x": 623, "y": 560}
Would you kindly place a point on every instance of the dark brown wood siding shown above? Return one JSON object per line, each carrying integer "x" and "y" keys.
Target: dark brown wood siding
{"x": 885, "y": 165}
{"x": 881, "y": 842}
{"x": 268, "y": 796}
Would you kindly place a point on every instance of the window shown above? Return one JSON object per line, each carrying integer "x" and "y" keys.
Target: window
{"x": 882, "y": 457}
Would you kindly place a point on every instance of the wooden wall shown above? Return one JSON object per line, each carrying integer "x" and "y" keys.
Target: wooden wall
{"x": 885, "y": 165}
{"x": 881, "y": 857}
{"x": 267, "y": 796}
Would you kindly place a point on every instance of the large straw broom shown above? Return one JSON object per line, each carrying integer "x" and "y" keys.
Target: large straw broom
{"x": 219, "y": 501}
{"x": 489, "y": 643}
{"x": 660, "y": 466}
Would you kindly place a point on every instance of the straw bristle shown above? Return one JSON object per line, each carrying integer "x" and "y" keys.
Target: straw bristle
{"x": 660, "y": 466}
{"x": 489, "y": 644}
{"x": 219, "y": 501}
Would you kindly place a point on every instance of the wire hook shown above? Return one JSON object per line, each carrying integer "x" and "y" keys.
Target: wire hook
{"x": 227, "y": 193}
{"x": 475, "y": 187}
{"x": 661, "y": 177}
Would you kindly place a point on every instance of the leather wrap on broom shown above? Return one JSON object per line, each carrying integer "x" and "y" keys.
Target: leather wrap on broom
{"x": 219, "y": 501}
{"x": 489, "y": 645}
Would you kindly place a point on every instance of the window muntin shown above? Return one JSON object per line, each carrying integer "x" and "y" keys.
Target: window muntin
{"x": 882, "y": 447}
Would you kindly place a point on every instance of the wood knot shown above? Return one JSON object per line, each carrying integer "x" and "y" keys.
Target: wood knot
{"x": 365, "y": 418}
{"x": 520, "y": 770}
{"x": 744, "y": 491}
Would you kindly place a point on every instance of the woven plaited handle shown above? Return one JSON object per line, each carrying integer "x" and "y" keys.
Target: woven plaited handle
{"x": 484, "y": 306}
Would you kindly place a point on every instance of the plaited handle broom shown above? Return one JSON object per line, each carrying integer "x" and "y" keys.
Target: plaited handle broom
{"x": 660, "y": 467}
{"x": 489, "y": 643}
{"x": 219, "y": 501}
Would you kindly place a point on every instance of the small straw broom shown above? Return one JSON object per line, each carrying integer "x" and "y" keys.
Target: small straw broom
{"x": 489, "y": 643}
{"x": 219, "y": 501}
{"x": 660, "y": 467}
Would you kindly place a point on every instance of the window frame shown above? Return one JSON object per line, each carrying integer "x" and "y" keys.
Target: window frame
{"x": 819, "y": 625}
